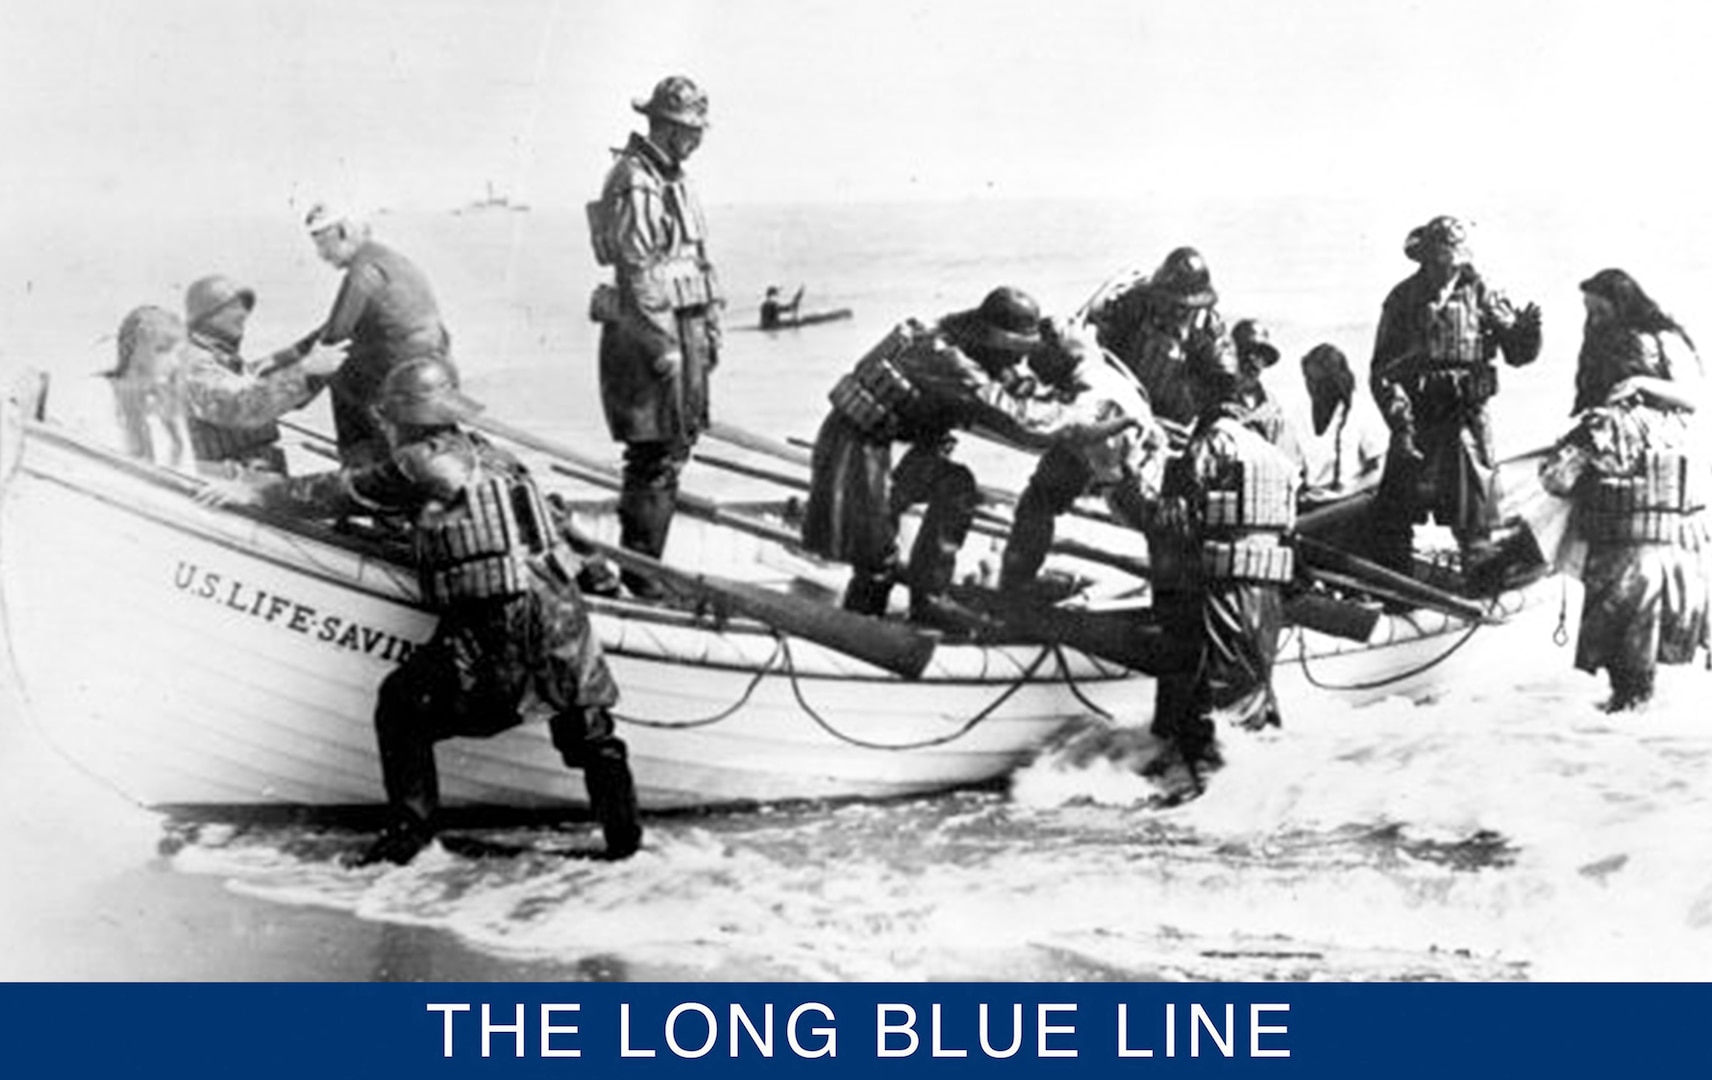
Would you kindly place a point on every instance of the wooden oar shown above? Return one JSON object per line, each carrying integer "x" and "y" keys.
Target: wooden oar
{"x": 892, "y": 646}
{"x": 1340, "y": 568}
{"x": 986, "y": 523}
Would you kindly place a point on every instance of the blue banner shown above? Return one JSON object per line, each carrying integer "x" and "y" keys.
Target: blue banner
{"x": 295, "y": 1031}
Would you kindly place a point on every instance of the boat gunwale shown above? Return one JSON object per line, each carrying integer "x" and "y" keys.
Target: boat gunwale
{"x": 386, "y": 554}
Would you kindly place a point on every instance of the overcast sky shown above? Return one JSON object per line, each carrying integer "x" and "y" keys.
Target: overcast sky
{"x": 176, "y": 106}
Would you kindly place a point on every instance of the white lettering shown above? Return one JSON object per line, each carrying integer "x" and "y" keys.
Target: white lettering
{"x": 938, "y": 1050}
{"x": 1124, "y": 1050}
{"x": 907, "y": 1028}
{"x": 624, "y": 1049}
{"x": 1170, "y": 1029}
{"x": 548, "y": 1031}
{"x": 1197, "y": 1013}
{"x": 1016, "y": 1033}
{"x": 1256, "y": 1031}
{"x": 489, "y": 1029}
{"x": 1041, "y": 1049}
{"x": 828, "y": 1048}
{"x": 672, "y": 1029}
{"x": 738, "y": 1016}
{"x": 446, "y": 1012}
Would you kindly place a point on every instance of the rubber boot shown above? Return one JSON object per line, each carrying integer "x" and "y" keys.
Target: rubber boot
{"x": 644, "y": 517}
{"x": 612, "y": 797}
{"x": 398, "y": 843}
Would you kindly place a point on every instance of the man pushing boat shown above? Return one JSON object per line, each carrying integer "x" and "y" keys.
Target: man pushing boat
{"x": 513, "y": 642}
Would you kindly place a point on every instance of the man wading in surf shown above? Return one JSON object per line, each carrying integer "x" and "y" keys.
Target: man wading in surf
{"x": 513, "y": 642}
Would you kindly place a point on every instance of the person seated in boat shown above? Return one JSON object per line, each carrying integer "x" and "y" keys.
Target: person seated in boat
{"x": 148, "y": 388}
{"x": 1156, "y": 324}
{"x": 775, "y": 312}
{"x": 1070, "y": 364}
{"x": 917, "y": 386}
{"x": 513, "y": 643}
{"x": 1255, "y": 354}
{"x": 1217, "y": 532}
{"x": 1432, "y": 376}
{"x": 233, "y": 404}
{"x": 1636, "y": 469}
{"x": 1343, "y": 443}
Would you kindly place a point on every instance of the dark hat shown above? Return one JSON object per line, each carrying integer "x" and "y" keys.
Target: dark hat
{"x": 1443, "y": 232}
{"x": 1253, "y": 339}
{"x": 424, "y": 392}
{"x": 1007, "y": 320}
{"x": 1183, "y": 279}
{"x": 1611, "y": 284}
{"x": 208, "y": 295}
{"x": 676, "y": 98}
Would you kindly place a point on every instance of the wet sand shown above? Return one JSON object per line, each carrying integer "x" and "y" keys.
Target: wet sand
{"x": 86, "y": 896}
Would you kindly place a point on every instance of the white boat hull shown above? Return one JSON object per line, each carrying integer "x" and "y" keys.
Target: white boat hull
{"x": 193, "y": 657}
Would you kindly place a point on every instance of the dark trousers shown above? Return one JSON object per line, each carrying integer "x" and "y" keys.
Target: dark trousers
{"x": 472, "y": 679}
{"x": 1059, "y": 479}
{"x": 926, "y": 474}
{"x": 648, "y": 501}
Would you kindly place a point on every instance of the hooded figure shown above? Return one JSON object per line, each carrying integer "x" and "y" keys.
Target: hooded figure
{"x": 1636, "y": 468}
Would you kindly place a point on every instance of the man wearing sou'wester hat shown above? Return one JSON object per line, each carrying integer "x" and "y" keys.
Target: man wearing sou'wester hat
{"x": 1432, "y": 375}
{"x": 659, "y": 316}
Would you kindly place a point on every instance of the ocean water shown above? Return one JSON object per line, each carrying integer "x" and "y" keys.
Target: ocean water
{"x": 1503, "y": 828}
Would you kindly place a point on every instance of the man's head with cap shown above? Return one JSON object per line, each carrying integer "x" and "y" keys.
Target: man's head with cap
{"x": 425, "y": 393}
{"x": 335, "y": 231}
{"x": 1442, "y": 240}
{"x": 677, "y": 116}
{"x": 1001, "y": 331}
{"x": 218, "y": 304}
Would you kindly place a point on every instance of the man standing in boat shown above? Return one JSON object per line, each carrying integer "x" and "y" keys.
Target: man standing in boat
{"x": 513, "y": 642}
{"x": 232, "y": 404}
{"x": 1217, "y": 535}
{"x": 387, "y": 312}
{"x": 660, "y": 331}
{"x": 1431, "y": 377}
{"x": 917, "y": 386}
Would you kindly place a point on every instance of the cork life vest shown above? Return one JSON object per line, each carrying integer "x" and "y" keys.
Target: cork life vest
{"x": 680, "y": 271}
{"x": 1647, "y": 506}
{"x": 1246, "y": 513}
{"x": 477, "y": 545}
{"x": 876, "y": 395}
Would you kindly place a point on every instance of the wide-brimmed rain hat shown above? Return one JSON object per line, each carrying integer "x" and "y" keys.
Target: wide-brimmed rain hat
{"x": 207, "y": 295}
{"x": 676, "y": 98}
{"x": 1442, "y": 233}
{"x": 424, "y": 392}
{"x": 1008, "y": 320}
{"x": 1183, "y": 279}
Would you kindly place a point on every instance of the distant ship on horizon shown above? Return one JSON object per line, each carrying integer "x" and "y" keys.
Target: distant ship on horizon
{"x": 492, "y": 202}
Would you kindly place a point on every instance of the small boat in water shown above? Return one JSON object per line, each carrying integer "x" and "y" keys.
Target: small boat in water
{"x": 214, "y": 661}
{"x": 807, "y": 318}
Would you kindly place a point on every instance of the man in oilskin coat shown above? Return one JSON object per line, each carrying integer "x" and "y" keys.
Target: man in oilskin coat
{"x": 659, "y": 317}
{"x": 513, "y": 642}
